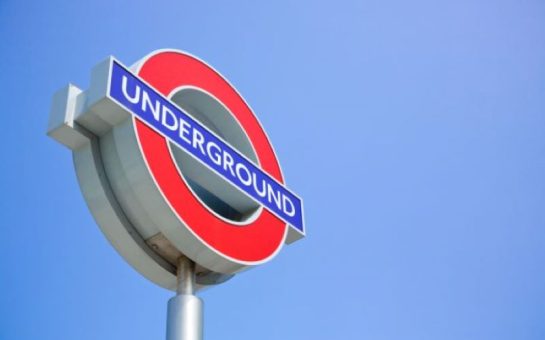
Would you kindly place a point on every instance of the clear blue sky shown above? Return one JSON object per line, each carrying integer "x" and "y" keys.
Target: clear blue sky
{"x": 414, "y": 130}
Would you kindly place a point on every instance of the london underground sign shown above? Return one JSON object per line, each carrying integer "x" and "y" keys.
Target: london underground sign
{"x": 173, "y": 162}
{"x": 187, "y": 133}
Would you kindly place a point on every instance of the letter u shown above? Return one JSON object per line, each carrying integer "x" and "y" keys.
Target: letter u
{"x": 136, "y": 97}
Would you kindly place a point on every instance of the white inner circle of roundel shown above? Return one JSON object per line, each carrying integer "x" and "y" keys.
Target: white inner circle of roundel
{"x": 215, "y": 193}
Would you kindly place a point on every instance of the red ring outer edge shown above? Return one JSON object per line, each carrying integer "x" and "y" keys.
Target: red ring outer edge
{"x": 252, "y": 243}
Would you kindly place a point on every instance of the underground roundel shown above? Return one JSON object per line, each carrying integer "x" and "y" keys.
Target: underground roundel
{"x": 171, "y": 160}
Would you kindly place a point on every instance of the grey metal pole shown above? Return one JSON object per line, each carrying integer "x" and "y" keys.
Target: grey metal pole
{"x": 185, "y": 310}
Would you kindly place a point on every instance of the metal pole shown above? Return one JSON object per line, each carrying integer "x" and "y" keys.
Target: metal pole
{"x": 185, "y": 310}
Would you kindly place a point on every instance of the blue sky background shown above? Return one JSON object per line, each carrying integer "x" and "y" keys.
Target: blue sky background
{"x": 414, "y": 130}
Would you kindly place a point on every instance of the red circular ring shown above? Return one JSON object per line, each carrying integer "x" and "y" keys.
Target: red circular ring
{"x": 251, "y": 243}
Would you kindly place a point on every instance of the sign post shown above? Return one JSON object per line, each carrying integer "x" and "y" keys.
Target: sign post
{"x": 185, "y": 310}
{"x": 178, "y": 173}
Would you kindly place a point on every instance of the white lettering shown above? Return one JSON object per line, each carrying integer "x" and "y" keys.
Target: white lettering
{"x": 272, "y": 197}
{"x": 136, "y": 97}
{"x": 184, "y": 131}
{"x": 146, "y": 103}
{"x": 263, "y": 191}
{"x": 291, "y": 210}
{"x": 198, "y": 140}
{"x": 214, "y": 156}
{"x": 167, "y": 113}
{"x": 228, "y": 163}
{"x": 248, "y": 179}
